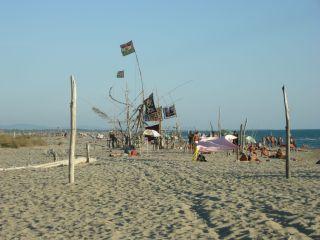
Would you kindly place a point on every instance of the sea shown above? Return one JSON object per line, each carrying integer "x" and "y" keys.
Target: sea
{"x": 308, "y": 137}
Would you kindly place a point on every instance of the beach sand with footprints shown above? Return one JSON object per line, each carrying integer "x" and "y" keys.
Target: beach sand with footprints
{"x": 160, "y": 195}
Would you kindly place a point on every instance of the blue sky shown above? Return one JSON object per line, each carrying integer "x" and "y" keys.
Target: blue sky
{"x": 237, "y": 55}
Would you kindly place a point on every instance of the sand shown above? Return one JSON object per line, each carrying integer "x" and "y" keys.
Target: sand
{"x": 163, "y": 195}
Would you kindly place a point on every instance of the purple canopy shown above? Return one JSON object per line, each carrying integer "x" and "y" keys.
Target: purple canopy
{"x": 215, "y": 145}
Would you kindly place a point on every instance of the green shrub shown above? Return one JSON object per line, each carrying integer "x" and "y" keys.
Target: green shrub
{"x": 8, "y": 141}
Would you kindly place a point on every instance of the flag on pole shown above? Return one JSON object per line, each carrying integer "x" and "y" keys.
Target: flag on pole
{"x": 127, "y": 48}
{"x": 120, "y": 74}
{"x": 154, "y": 117}
{"x": 149, "y": 105}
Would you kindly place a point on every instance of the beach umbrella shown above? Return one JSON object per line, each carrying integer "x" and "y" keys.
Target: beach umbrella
{"x": 151, "y": 133}
{"x": 250, "y": 139}
{"x": 230, "y": 137}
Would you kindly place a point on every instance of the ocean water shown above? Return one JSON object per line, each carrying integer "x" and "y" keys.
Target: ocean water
{"x": 309, "y": 137}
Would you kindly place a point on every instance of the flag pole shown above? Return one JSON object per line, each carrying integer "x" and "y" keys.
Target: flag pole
{"x": 219, "y": 122}
{"x": 135, "y": 53}
{"x": 142, "y": 90}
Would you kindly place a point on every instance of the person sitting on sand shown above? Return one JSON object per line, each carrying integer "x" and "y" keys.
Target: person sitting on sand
{"x": 201, "y": 158}
{"x": 264, "y": 152}
{"x": 243, "y": 158}
{"x": 279, "y": 154}
{"x": 253, "y": 157}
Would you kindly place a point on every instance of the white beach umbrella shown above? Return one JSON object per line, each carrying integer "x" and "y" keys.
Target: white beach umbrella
{"x": 151, "y": 133}
{"x": 230, "y": 137}
{"x": 250, "y": 139}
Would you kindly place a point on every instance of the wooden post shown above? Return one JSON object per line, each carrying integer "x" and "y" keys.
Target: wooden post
{"x": 240, "y": 139}
{"x": 55, "y": 156}
{"x": 244, "y": 133}
{"x": 211, "y": 128}
{"x": 128, "y": 115}
{"x": 287, "y": 131}
{"x": 219, "y": 122}
{"x": 73, "y": 106}
{"x": 237, "y": 153}
{"x": 88, "y": 152}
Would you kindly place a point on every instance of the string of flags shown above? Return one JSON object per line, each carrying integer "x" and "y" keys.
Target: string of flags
{"x": 151, "y": 112}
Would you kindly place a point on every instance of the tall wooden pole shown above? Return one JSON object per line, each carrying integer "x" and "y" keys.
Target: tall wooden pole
{"x": 244, "y": 133}
{"x": 287, "y": 131}
{"x": 88, "y": 152}
{"x": 159, "y": 114}
{"x": 211, "y": 128}
{"x": 219, "y": 122}
{"x": 241, "y": 139}
{"x": 140, "y": 122}
{"x": 73, "y": 109}
{"x": 128, "y": 115}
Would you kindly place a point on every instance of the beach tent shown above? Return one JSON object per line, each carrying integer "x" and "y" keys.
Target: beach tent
{"x": 205, "y": 139}
{"x": 250, "y": 139}
{"x": 230, "y": 137}
{"x": 215, "y": 145}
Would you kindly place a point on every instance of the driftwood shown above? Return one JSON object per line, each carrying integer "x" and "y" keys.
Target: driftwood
{"x": 49, "y": 165}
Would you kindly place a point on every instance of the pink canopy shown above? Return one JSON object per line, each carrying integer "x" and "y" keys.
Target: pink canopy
{"x": 215, "y": 145}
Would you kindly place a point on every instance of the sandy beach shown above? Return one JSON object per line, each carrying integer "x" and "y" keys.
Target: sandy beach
{"x": 161, "y": 195}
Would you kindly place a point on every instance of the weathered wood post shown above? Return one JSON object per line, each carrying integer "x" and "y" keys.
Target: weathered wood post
{"x": 219, "y": 122}
{"x": 244, "y": 133}
{"x": 240, "y": 139}
{"x": 287, "y": 131}
{"x": 88, "y": 152}
{"x": 73, "y": 111}
{"x": 55, "y": 156}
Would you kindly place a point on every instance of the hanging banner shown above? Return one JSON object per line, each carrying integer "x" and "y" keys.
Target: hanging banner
{"x": 120, "y": 74}
{"x": 169, "y": 112}
{"x": 149, "y": 105}
{"x": 156, "y": 116}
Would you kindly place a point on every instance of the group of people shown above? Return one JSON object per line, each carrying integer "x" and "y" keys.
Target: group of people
{"x": 252, "y": 153}
{"x": 272, "y": 141}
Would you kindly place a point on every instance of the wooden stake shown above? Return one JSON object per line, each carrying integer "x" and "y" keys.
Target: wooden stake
{"x": 237, "y": 153}
{"x": 88, "y": 152}
{"x": 219, "y": 122}
{"x": 160, "y": 121}
{"x": 244, "y": 133}
{"x": 211, "y": 128}
{"x": 128, "y": 115}
{"x": 287, "y": 131}
{"x": 73, "y": 112}
{"x": 55, "y": 156}
{"x": 240, "y": 139}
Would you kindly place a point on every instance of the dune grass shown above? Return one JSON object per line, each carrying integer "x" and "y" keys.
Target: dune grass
{"x": 8, "y": 141}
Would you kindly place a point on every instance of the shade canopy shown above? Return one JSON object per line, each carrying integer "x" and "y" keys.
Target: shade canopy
{"x": 215, "y": 145}
{"x": 151, "y": 133}
{"x": 250, "y": 139}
